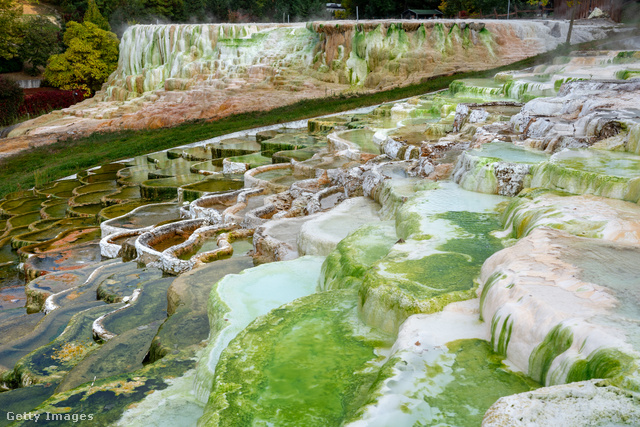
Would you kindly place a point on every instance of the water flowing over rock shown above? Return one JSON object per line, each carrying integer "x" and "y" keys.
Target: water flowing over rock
{"x": 463, "y": 257}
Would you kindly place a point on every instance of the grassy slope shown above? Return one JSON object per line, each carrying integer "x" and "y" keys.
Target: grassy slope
{"x": 68, "y": 157}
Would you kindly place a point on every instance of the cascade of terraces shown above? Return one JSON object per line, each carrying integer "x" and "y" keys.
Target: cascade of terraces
{"x": 466, "y": 257}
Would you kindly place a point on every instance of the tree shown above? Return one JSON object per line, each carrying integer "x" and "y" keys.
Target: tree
{"x": 477, "y": 7}
{"x": 40, "y": 41}
{"x": 11, "y": 97}
{"x": 219, "y": 9}
{"x": 572, "y": 5}
{"x": 93, "y": 15}
{"x": 10, "y": 28}
{"x": 171, "y": 9}
{"x": 91, "y": 56}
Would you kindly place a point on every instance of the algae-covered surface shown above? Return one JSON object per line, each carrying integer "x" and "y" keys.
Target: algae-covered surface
{"x": 306, "y": 363}
{"x": 346, "y": 266}
{"x": 323, "y": 341}
{"x": 450, "y": 385}
{"x": 445, "y": 236}
{"x": 623, "y": 165}
{"x": 238, "y": 299}
{"x": 363, "y": 138}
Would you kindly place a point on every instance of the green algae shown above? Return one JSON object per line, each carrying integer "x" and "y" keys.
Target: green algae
{"x": 57, "y": 210}
{"x": 287, "y": 142}
{"x": 50, "y": 232}
{"x": 135, "y": 175}
{"x": 234, "y": 147}
{"x": 97, "y": 177}
{"x": 124, "y": 194}
{"x": 450, "y": 385}
{"x": 21, "y": 400}
{"x": 480, "y": 244}
{"x": 347, "y": 265}
{"x": 23, "y": 219}
{"x": 501, "y": 333}
{"x": 557, "y": 341}
{"x": 602, "y": 173}
{"x": 98, "y": 186}
{"x": 363, "y": 138}
{"x": 479, "y": 378}
{"x": 115, "y": 211}
{"x": 91, "y": 210}
{"x": 491, "y": 281}
{"x": 602, "y": 363}
{"x": 437, "y": 259}
{"x": 193, "y": 191}
{"x": 60, "y": 189}
{"x": 274, "y": 175}
{"x": 302, "y": 364}
{"x": 507, "y": 152}
{"x": 209, "y": 166}
{"x": 162, "y": 189}
{"x": 65, "y": 240}
{"x": 89, "y": 198}
{"x": 251, "y": 160}
{"x": 20, "y": 206}
{"x": 456, "y": 268}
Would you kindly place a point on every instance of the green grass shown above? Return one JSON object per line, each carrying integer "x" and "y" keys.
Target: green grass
{"x": 63, "y": 158}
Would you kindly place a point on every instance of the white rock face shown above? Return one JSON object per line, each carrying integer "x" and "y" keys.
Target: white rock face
{"x": 584, "y": 111}
{"x": 421, "y": 341}
{"x": 585, "y": 216}
{"x": 586, "y": 403}
{"x": 553, "y": 300}
{"x": 321, "y": 235}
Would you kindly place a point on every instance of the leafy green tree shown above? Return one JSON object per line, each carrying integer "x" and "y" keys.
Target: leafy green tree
{"x": 10, "y": 28}
{"x": 91, "y": 56}
{"x": 93, "y": 15}
{"x": 41, "y": 39}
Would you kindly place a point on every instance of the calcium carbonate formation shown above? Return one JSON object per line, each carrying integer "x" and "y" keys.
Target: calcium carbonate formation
{"x": 465, "y": 257}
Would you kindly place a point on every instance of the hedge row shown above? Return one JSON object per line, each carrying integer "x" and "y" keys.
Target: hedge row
{"x": 15, "y": 103}
{"x": 45, "y": 101}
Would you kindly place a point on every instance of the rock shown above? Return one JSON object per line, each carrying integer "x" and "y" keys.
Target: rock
{"x": 578, "y": 404}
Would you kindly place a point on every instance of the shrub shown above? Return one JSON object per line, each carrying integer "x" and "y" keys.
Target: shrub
{"x": 91, "y": 55}
{"x": 45, "y": 101}
{"x": 11, "y": 98}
